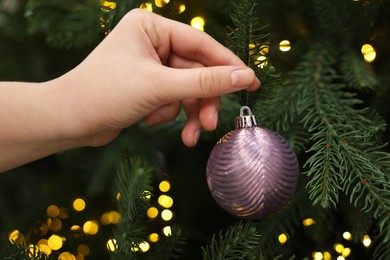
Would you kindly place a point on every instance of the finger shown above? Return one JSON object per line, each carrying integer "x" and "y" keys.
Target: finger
{"x": 178, "y": 62}
{"x": 181, "y": 84}
{"x": 163, "y": 114}
{"x": 208, "y": 114}
{"x": 191, "y": 130}
{"x": 188, "y": 42}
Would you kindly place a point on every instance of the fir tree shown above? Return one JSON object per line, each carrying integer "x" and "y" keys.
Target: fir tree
{"x": 321, "y": 96}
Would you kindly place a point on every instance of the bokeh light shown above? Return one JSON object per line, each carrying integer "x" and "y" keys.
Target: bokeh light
{"x": 165, "y": 201}
{"x": 112, "y": 245}
{"x": 198, "y": 22}
{"x": 164, "y": 186}
{"x": 91, "y": 227}
{"x": 369, "y": 53}
{"x": 282, "y": 238}
{"x": 161, "y": 3}
{"x": 166, "y": 214}
{"x": 285, "y": 45}
{"x": 54, "y": 242}
{"x": 154, "y": 237}
{"x": 152, "y": 212}
{"x": 79, "y": 204}
{"x": 147, "y": 6}
{"x": 167, "y": 231}
{"x": 308, "y": 222}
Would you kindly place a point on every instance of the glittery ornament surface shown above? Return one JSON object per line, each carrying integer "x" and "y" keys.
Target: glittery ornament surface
{"x": 252, "y": 172}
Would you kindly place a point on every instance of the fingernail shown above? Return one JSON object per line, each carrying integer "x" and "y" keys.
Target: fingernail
{"x": 196, "y": 136}
{"x": 242, "y": 78}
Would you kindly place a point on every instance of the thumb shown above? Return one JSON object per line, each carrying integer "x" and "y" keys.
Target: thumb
{"x": 209, "y": 81}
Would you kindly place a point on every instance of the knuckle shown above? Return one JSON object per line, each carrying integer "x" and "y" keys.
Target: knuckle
{"x": 209, "y": 82}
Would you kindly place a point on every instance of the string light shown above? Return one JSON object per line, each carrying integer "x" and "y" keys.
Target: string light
{"x": 53, "y": 211}
{"x": 283, "y": 238}
{"x": 147, "y": 6}
{"x": 285, "y": 45}
{"x": 318, "y": 256}
{"x": 366, "y": 241}
{"x": 110, "y": 217}
{"x": 144, "y": 246}
{"x": 338, "y": 248}
{"x": 346, "y": 252}
{"x": 340, "y": 257}
{"x": 79, "y": 204}
{"x": 167, "y": 231}
{"x": 112, "y": 245}
{"x": 152, "y": 212}
{"x": 165, "y": 201}
{"x": 66, "y": 256}
{"x": 154, "y": 237}
{"x": 347, "y": 236}
{"x": 91, "y": 227}
{"x": 161, "y": 3}
{"x": 327, "y": 256}
{"x": 166, "y": 214}
{"x": 308, "y": 222}
{"x": 164, "y": 186}
{"x": 54, "y": 242}
{"x": 369, "y": 53}
{"x": 182, "y": 8}
{"x": 83, "y": 250}
{"x": 198, "y": 23}
{"x": 44, "y": 246}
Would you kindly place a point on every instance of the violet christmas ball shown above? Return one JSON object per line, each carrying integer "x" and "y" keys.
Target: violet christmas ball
{"x": 252, "y": 172}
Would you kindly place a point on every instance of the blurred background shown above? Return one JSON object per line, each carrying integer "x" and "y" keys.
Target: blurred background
{"x": 73, "y": 194}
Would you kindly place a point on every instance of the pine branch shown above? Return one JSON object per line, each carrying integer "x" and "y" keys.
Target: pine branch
{"x": 248, "y": 39}
{"x": 133, "y": 183}
{"x": 170, "y": 247}
{"x": 66, "y": 24}
{"x": 237, "y": 242}
{"x": 14, "y": 251}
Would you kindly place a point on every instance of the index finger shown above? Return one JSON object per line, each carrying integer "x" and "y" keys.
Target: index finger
{"x": 189, "y": 43}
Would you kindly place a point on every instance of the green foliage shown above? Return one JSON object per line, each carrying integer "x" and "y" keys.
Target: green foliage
{"x": 133, "y": 183}
{"x": 237, "y": 242}
{"x": 249, "y": 39}
{"x": 66, "y": 24}
{"x": 13, "y": 251}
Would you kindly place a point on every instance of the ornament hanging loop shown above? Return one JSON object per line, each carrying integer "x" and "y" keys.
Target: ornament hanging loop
{"x": 248, "y": 120}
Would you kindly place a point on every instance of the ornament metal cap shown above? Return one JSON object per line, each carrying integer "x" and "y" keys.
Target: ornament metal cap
{"x": 248, "y": 120}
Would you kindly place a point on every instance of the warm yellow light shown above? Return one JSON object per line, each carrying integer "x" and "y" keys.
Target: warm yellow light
{"x": 112, "y": 245}
{"x": 366, "y": 241}
{"x": 198, "y": 23}
{"x": 164, "y": 186}
{"x": 166, "y": 214}
{"x": 167, "y": 231}
{"x": 152, "y": 212}
{"x": 346, "y": 252}
{"x": 182, "y": 8}
{"x": 111, "y": 5}
{"x": 144, "y": 246}
{"x": 327, "y": 256}
{"x": 118, "y": 196}
{"x": 75, "y": 228}
{"x": 147, "y": 6}
{"x": 308, "y": 222}
{"x": 111, "y": 217}
{"x": 91, "y": 227}
{"x": 79, "y": 204}
{"x": 340, "y": 257}
{"x": 44, "y": 246}
{"x": 54, "y": 224}
{"x": 285, "y": 45}
{"x": 165, "y": 201}
{"x": 347, "y": 236}
{"x": 54, "y": 242}
{"x": 83, "y": 250}
{"x": 161, "y": 3}
{"x": 147, "y": 194}
{"x": 264, "y": 50}
{"x": 282, "y": 238}
{"x": 53, "y": 211}
{"x": 369, "y": 53}
{"x": 66, "y": 256}
{"x": 33, "y": 251}
{"x": 339, "y": 248}
{"x": 14, "y": 236}
{"x": 154, "y": 237}
{"x": 318, "y": 256}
